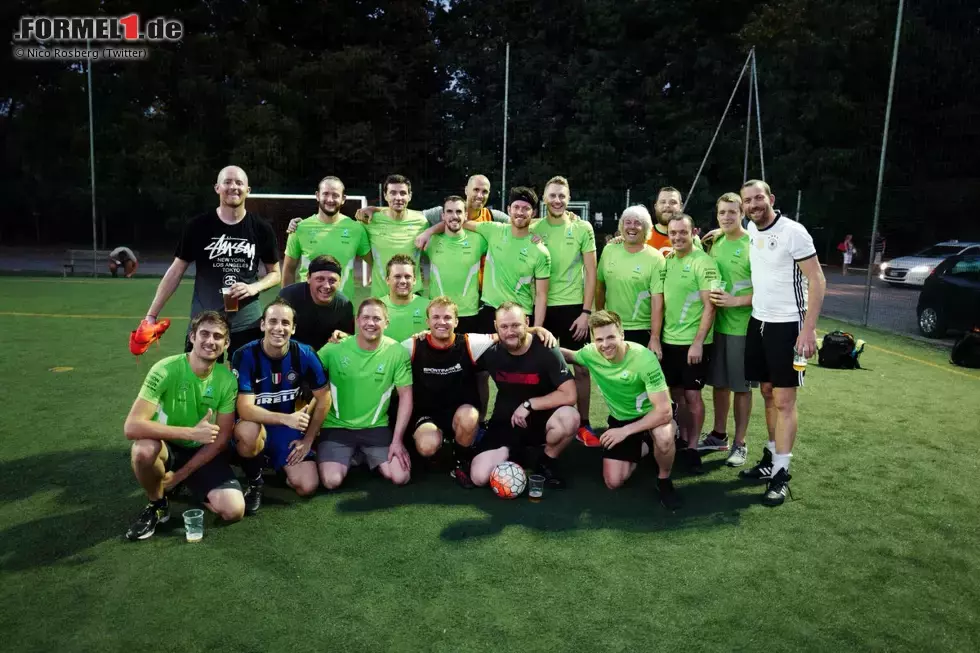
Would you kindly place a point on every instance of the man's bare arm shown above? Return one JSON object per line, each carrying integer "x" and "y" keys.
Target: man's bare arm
{"x": 540, "y": 301}
{"x": 289, "y": 267}
{"x": 167, "y": 286}
{"x": 564, "y": 395}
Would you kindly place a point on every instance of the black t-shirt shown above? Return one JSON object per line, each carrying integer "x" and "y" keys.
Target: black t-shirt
{"x": 224, "y": 255}
{"x": 315, "y": 323}
{"x": 445, "y": 378}
{"x": 536, "y": 373}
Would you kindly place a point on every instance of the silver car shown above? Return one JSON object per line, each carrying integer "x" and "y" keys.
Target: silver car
{"x": 914, "y": 269}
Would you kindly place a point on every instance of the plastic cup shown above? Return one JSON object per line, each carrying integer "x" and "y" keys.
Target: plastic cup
{"x": 231, "y": 302}
{"x": 194, "y": 524}
{"x": 535, "y": 487}
{"x": 799, "y": 361}
{"x": 717, "y": 285}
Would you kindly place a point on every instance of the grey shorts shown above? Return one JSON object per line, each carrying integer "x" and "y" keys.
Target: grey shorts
{"x": 727, "y": 366}
{"x": 339, "y": 445}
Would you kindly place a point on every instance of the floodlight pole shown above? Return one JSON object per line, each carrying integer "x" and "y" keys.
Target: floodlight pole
{"x": 758, "y": 114}
{"x": 503, "y": 167}
{"x": 799, "y": 200}
{"x": 720, "y": 123}
{"x": 91, "y": 156}
{"x": 881, "y": 161}
{"x": 748, "y": 138}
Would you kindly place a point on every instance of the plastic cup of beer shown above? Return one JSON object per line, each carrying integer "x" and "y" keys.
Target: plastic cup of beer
{"x": 231, "y": 302}
{"x": 194, "y": 524}
{"x": 799, "y": 361}
{"x": 535, "y": 487}
{"x": 717, "y": 285}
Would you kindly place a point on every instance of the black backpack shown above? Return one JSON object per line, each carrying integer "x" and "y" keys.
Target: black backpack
{"x": 966, "y": 351}
{"x": 839, "y": 351}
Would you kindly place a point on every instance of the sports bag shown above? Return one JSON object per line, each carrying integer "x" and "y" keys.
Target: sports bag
{"x": 838, "y": 350}
{"x": 966, "y": 351}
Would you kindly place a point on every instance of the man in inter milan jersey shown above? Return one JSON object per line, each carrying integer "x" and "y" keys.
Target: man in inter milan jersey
{"x": 733, "y": 301}
{"x": 327, "y": 232}
{"x": 688, "y": 333}
{"x": 788, "y": 290}
{"x": 364, "y": 371}
{"x": 629, "y": 281}
{"x": 226, "y": 245}
{"x": 393, "y": 231}
{"x": 406, "y": 310}
{"x": 271, "y": 373}
{"x": 322, "y": 313}
{"x": 669, "y": 203}
{"x": 180, "y": 425}
{"x": 571, "y": 288}
{"x": 640, "y": 417}
{"x": 455, "y": 257}
{"x": 535, "y": 401}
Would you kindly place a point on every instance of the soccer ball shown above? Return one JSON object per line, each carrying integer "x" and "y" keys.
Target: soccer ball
{"x": 507, "y": 480}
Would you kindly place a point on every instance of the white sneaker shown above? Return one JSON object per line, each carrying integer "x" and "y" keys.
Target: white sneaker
{"x": 710, "y": 442}
{"x": 737, "y": 456}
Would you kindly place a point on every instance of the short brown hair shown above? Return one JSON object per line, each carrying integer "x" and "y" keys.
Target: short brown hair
{"x": 753, "y": 182}
{"x": 671, "y": 189}
{"x": 605, "y": 318}
{"x": 443, "y": 300}
{"x": 683, "y": 216}
{"x": 397, "y": 179}
{"x": 332, "y": 178}
{"x": 452, "y": 198}
{"x": 210, "y": 316}
{"x": 372, "y": 301}
{"x": 400, "y": 259}
{"x": 731, "y": 198}
{"x": 508, "y": 305}
{"x": 278, "y": 301}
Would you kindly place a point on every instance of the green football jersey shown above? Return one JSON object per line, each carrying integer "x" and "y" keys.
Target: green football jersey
{"x": 361, "y": 382}
{"x": 683, "y": 279}
{"x": 455, "y": 269}
{"x": 389, "y": 237}
{"x": 631, "y": 279}
{"x": 343, "y": 240}
{"x": 732, "y": 259}
{"x": 183, "y": 398}
{"x": 566, "y": 243}
{"x": 625, "y": 385}
{"x": 405, "y": 321}
{"x": 512, "y": 266}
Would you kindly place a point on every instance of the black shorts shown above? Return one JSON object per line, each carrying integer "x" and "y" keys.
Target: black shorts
{"x": 677, "y": 371}
{"x": 235, "y": 340}
{"x": 471, "y": 324}
{"x": 630, "y": 449}
{"x": 769, "y": 351}
{"x": 443, "y": 421}
{"x": 214, "y": 475}
{"x": 558, "y": 320}
{"x": 639, "y": 336}
{"x": 500, "y": 433}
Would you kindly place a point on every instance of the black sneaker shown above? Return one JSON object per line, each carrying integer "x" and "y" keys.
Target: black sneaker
{"x": 461, "y": 475}
{"x": 692, "y": 461}
{"x": 253, "y": 497}
{"x": 547, "y": 467}
{"x": 762, "y": 470}
{"x": 777, "y": 489}
{"x": 146, "y": 524}
{"x": 669, "y": 498}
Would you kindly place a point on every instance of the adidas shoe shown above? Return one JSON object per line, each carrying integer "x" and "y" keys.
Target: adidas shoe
{"x": 762, "y": 470}
{"x": 711, "y": 442}
{"x": 146, "y": 524}
{"x": 777, "y": 489}
{"x": 737, "y": 456}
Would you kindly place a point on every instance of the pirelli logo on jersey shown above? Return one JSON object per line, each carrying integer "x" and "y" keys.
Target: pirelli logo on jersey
{"x": 281, "y": 397}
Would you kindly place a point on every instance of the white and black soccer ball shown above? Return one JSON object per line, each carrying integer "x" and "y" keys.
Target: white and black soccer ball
{"x": 508, "y": 480}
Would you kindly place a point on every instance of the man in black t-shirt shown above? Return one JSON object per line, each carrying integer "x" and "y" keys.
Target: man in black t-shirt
{"x": 321, "y": 311}
{"x": 535, "y": 404}
{"x": 226, "y": 245}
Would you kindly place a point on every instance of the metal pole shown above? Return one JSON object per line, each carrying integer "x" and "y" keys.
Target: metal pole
{"x": 503, "y": 167}
{"x": 91, "y": 157}
{"x": 881, "y": 161}
{"x": 799, "y": 200}
{"x": 720, "y": 122}
{"x": 758, "y": 115}
{"x": 748, "y": 137}
{"x": 627, "y": 197}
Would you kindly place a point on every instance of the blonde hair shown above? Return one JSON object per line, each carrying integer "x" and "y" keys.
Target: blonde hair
{"x": 605, "y": 318}
{"x": 561, "y": 181}
{"x": 731, "y": 198}
{"x": 442, "y": 300}
{"x": 639, "y": 212}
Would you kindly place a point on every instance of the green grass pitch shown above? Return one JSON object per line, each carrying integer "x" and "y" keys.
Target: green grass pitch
{"x": 877, "y": 552}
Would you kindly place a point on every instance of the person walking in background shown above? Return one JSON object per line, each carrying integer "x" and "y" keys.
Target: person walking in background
{"x": 848, "y": 250}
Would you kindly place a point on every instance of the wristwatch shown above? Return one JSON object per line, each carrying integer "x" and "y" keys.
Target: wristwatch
{"x": 527, "y": 405}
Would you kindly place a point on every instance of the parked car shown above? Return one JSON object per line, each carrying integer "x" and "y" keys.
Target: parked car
{"x": 913, "y": 270}
{"x": 950, "y": 298}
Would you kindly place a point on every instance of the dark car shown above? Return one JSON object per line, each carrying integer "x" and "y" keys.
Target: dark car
{"x": 950, "y": 297}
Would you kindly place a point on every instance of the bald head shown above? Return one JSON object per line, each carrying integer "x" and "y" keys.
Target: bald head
{"x": 477, "y": 192}
{"x": 232, "y": 187}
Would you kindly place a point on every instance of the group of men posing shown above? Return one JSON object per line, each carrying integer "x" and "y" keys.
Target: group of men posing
{"x": 407, "y": 373}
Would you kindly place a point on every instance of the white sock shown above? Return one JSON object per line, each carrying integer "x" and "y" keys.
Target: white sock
{"x": 771, "y": 446}
{"x": 780, "y": 461}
